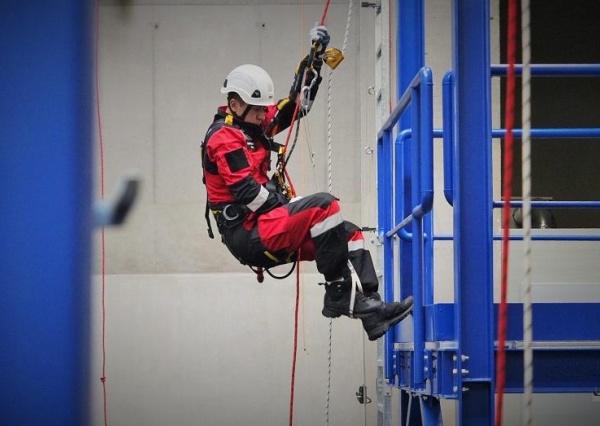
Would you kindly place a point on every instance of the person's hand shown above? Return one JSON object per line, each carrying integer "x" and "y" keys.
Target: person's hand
{"x": 274, "y": 186}
{"x": 319, "y": 34}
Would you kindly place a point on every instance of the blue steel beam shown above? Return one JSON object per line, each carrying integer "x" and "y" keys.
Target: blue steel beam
{"x": 410, "y": 58}
{"x": 534, "y": 237}
{"x": 574, "y": 324}
{"x": 448, "y": 135}
{"x": 557, "y": 370}
{"x": 409, "y": 61}
{"x": 45, "y": 207}
{"x": 420, "y": 95}
{"x": 384, "y": 215}
{"x": 550, "y": 70}
{"x": 566, "y": 352}
{"x": 473, "y": 277}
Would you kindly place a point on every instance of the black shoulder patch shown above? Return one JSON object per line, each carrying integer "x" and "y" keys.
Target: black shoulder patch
{"x": 236, "y": 160}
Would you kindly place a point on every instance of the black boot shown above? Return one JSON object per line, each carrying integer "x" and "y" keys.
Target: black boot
{"x": 337, "y": 300}
{"x": 376, "y": 324}
{"x": 377, "y": 317}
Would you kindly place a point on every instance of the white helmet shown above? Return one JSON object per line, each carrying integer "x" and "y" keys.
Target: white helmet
{"x": 252, "y": 83}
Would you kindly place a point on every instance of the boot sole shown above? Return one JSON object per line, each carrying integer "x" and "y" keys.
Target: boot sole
{"x": 381, "y": 329}
{"x": 328, "y": 313}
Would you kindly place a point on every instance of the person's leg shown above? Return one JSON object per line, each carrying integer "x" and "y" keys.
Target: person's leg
{"x": 317, "y": 218}
{"x": 377, "y": 317}
{"x": 361, "y": 259}
{"x": 311, "y": 225}
{"x": 342, "y": 298}
{"x": 314, "y": 221}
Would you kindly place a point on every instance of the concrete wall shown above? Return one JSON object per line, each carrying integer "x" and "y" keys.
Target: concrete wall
{"x": 191, "y": 337}
{"x": 210, "y": 349}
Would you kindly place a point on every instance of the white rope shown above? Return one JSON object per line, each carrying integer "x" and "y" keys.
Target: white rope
{"x": 330, "y": 189}
{"x": 329, "y": 86}
{"x": 329, "y": 144}
{"x": 328, "y": 375}
{"x": 526, "y": 182}
{"x": 347, "y": 26}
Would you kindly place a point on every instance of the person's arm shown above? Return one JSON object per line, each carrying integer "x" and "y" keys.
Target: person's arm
{"x": 305, "y": 83}
{"x": 228, "y": 150}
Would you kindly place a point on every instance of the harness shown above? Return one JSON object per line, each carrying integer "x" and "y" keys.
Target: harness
{"x": 233, "y": 214}
{"x": 210, "y": 167}
{"x": 230, "y": 214}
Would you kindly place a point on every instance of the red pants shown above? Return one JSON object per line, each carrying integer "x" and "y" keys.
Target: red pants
{"x": 311, "y": 228}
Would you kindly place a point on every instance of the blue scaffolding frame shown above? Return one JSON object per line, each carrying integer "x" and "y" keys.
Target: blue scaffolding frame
{"x": 448, "y": 350}
{"x": 46, "y": 210}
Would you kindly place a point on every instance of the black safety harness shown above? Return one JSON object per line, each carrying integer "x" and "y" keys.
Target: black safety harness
{"x": 233, "y": 214}
{"x": 229, "y": 214}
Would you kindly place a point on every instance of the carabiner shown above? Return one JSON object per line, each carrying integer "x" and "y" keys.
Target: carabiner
{"x": 305, "y": 91}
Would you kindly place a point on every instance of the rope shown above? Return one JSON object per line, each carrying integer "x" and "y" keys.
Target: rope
{"x": 329, "y": 91}
{"x": 299, "y": 102}
{"x": 330, "y": 190}
{"x": 103, "y": 253}
{"x": 365, "y": 395}
{"x": 324, "y": 16}
{"x": 328, "y": 374}
{"x": 508, "y": 163}
{"x": 329, "y": 144}
{"x": 526, "y": 171}
{"x": 295, "y": 351}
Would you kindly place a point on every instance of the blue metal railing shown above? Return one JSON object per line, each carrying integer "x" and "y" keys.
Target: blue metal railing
{"x": 420, "y": 184}
{"x": 540, "y": 70}
{"x": 458, "y": 359}
{"x": 405, "y": 166}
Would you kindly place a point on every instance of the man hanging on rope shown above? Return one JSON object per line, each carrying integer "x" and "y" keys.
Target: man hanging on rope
{"x": 258, "y": 222}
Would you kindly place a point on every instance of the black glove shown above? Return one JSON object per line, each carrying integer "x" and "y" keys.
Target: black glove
{"x": 274, "y": 200}
{"x": 274, "y": 187}
{"x": 297, "y": 83}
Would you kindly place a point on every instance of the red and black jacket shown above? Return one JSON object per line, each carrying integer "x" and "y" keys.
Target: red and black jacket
{"x": 236, "y": 160}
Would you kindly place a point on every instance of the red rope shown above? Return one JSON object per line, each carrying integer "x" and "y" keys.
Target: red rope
{"x": 295, "y": 352}
{"x": 507, "y": 188}
{"x": 101, "y": 148}
{"x": 295, "y": 115}
{"x": 324, "y": 16}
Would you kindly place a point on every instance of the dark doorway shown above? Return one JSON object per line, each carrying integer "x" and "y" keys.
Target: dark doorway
{"x": 562, "y": 169}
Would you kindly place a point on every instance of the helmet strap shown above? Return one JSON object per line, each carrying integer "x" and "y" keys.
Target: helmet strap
{"x": 244, "y": 114}
{"x": 246, "y": 111}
